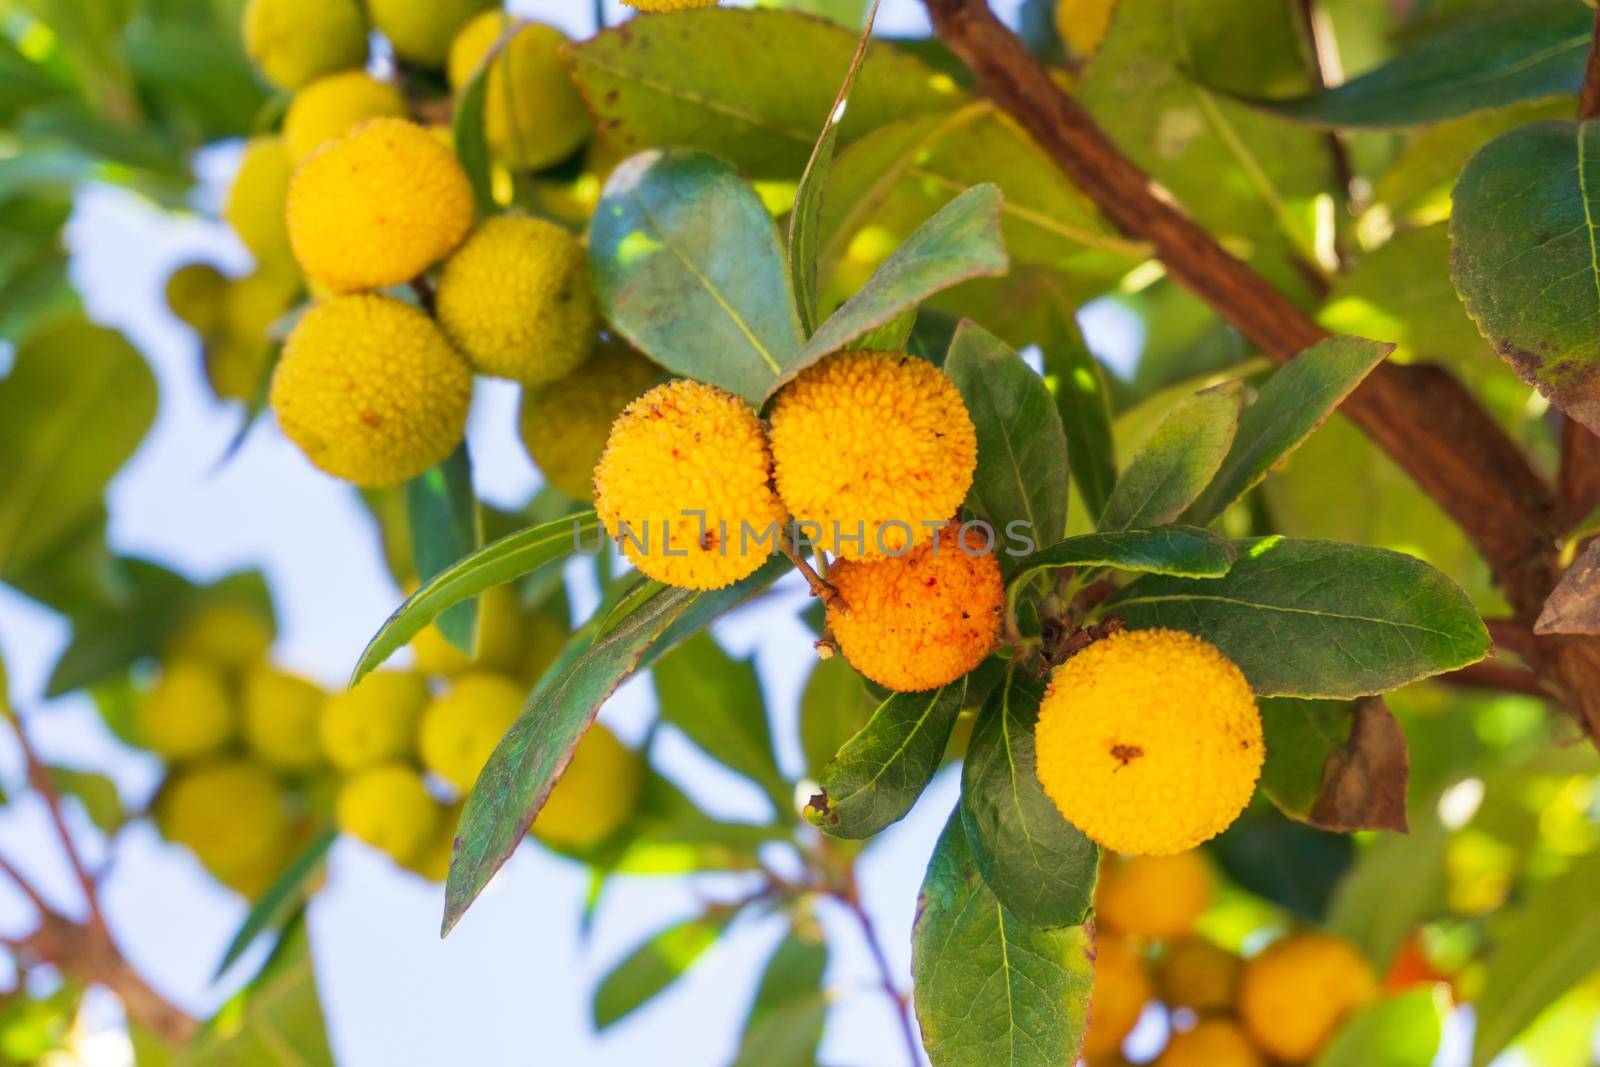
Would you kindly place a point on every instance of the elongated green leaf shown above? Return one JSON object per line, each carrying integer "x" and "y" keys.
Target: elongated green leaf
{"x": 1186, "y": 551}
{"x": 96, "y": 792}
{"x": 494, "y": 564}
{"x": 1022, "y": 448}
{"x": 716, "y": 701}
{"x": 1398, "y": 883}
{"x": 784, "y": 1026}
{"x": 1548, "y": 946}
{"x": 1083, "y": 401}
{"x": 1290, "y": 407}
{"x": 1039, "y": 866}
{"x": 1399, "y": 1031}
{"x": 834, "y": 707}
{"x": 470, "y": 135}
{"x": 283, "y": 898}
{"x": 687, "y": 266}
{"x": 881, "y": 771}
{"x": 1525, "y": 256}
{"x": 990, "y": 988}
{"x": 1487, "y": 57}
{"x": 652, "y": 967}
{"x": 445, "y": 528}
{"x": 961, "y": 242}
{"x": 1176, "y": 463}
{"x": 1319, "y": 618}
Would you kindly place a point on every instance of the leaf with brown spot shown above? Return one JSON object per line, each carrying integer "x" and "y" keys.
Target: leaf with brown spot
{"x": 1336, "y": 765}
{"x": 1574, "y": 605}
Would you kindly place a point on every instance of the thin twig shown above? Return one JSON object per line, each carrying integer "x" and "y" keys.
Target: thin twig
{"x": 40, "y": 778}
{"x": 27, "y": 887}
{"x": 821, "y": 588}
{"x": 851, "y": 899}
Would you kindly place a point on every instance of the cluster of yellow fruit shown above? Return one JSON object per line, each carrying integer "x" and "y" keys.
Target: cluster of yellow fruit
{"x": 1282, "y": 1005}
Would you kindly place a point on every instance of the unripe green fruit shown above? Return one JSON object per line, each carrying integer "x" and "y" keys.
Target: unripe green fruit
{"x": 281, "y": 717}
{"x": 532, "y": 111}
{"x": 461, "y": 728}
{"x": 233, "y": 815}
{"x": 375, "y": 722}
{"x": 565, "y": 423}
{"x": 188, "y": 714}
{"x": 388, "y": 807}
{"x": 293, "y": 41}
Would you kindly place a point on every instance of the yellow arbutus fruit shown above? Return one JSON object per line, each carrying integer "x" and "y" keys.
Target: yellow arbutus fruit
{"x": 565, "y": 423}
{"x": 370, "y": 390}
{"x": 432, "y": 861}
{"x": 923, "y": 619}
{"x": 374, "y": 722}
{"x": 282, "y": 714}
{"x": 1212, "y": 1043}
{"x": 1199, "y": 975}
{"x": 232, "y": 814}
{"x": 1149, "y": 741}
{"x": 1297, "y": 992}
{"x": 255, "y": 204}
{"x": 516, "y": 300}
{"x": 421, "y": 33}
{"x": 596, "y": 794}
{"x": 872, "y": 447}
{"x": 190, "y": 713}
{"x": 377, "y": 207}
{"x": 1116, "y": 1000}
{"x": 533, "y": 113}
{"x": 388, "y": 807}
{"x": 461, "y": 728}
{"x": 331, "y": 107}
{"x": 1081, "y": 24}
{"x": 1154, "y": 896}
{"x": 294, "y": 41}
{"x": 684, "y": 486}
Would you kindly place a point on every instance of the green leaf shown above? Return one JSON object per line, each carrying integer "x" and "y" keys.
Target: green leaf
{"x": 524, "y": 767}
{"x": 1283, "y": 861}
{"x": 649, "y": 969}
{"x": 445, "y": 529}
{"x": 197, "y": 74}
{"x": 1039, "y": 866}
{"x": 1338, "y": 766}
{"x": 1525, "y": 256}
{"x": 1186, "y": 551}
{"x": 834, "y": 707}
{"x": 716, "y": 701}
{"x": 784, "y": 1026}
{"x": 990, "y": 988}
{"x": 1319, "y": 618}
{"x": 961, "y": 242}
{"x": 880, "y": 772}
{"x": 760, "y": 106}
{"x": 470, "y": 135}
{"x": 805, "y": 217}
{"x": 1022, "y": 448}
{"x": 1396, "y": 884}
{"x": 494, "y": 564}
{"x": 283, "y": 899}
{"x": 1181, "y": 456}
{"x": 1083, "y": 401}
{"x": 1290, "y": 407}
{"x": 1482, "y": 58}
{"x": 96, "y": 792}
{"x": 1397, "y": 1031}
{"x": 1546, "y": 947}
{"x": 687, "y": 266}
{"x": 76, "y": 404}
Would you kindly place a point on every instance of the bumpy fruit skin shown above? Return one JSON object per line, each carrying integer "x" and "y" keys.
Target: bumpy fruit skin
{"x": 231, "y": 814}
{"x": 282, "y": 712}
{"x": 461, "y": 728}
{"x": 1149, "y": 741}
{"x": 294, "y": 41}
{"x": 1212, "y": 1043}
{"x": 532, "y": 111}
{"x": 389, "y": 808}
{"x": 370, "y": 390}
{"x": 230, "y": 637}
{"x": 516, "y": 300}
{"x": 1081, "y": 24}
{"x": 565, "y": 424}
{"x": 1199, "y": 975}
{"x": 377, "y": 207}
{"x": 872, "y": 443}
{"x": 596, "y": 794}
{"x": 189, "y": 713}
{"x": 331, "y": 107}
{"x": 920, "y": 620}
{"x": 688, "y": 447}
{"x": 1297, "y": 992}
{"x": 421, "y": 33}
{"x": 197, "y": 294}
{"x": 1120, "y": 992}
{"x": 255, "y": 204}
{"x": 1154, "y": 896}
{"x": 375, "y": 722}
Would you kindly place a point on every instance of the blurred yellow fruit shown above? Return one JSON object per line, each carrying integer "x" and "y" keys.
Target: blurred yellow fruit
{"x": 293, "y": 41}
{"x": 565, "y": 423}
{"x": 229, "y": 636}
{"x": 331, "y": 107}
{"x": 196, "y": 294}
{"x": 282, "y": 716}
{"x": 501, "y": 640}
{"x": 546, "y": 640}
{"x": 1212, "y": 1043}
{"x": 256, "y": 199}
{"x": 1121, "y": 990}
{"x": 189, "y": 713}
{"x": 433, "y": 654}
{"x": 461, "y": 728}
{"x": 389, "y": 808}
{"x": 432, "y": 861}
{"x": 1154, "y": 896}
{"x": 595, "y": 796}
{"x": 1082, "y": 24}
{"x": 1199, "y": 975}
{"x": 239, "y": 356}
{"x": 375, "y": 722}
{"x": 669, "y": 5}
{"x": 232, "y": 814}
{"x": 421, "y": 33}
{"x": 1295, "y": 995}
{"x": 532, "y": 111}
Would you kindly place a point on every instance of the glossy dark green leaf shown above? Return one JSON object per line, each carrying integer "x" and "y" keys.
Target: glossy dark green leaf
{"x": 716, "y": 701}
{"x": 1482, "y": 58}
{"x": 1291, "y": 405}
{"x": 1040, "y": 867}
{"x": 1336, "y": 765}
{"x": 442, "y": 512}
{"x": 1083, "y": 401}
{"x": 1186, "y": 551}
{"x": 784, "y": 1026}
{"x": 494, "y": 564}
{"x": 1283, "y": 861}
{"x": 990, "y": 988}
{"x": 1178, "y": 460}
{"x": 470, "y": 135}
{"x": 687, "y": 266}
{"x": 834, "y": 707}
{"x": 881, "y": 771}
{"x": 961, "y": 242}
{"x": 283, "y": 898}
{"x": 1525, "y": 257}
{"x": 1022, "y": 448}
{"x": 1319, "y": 618}
{"x": 651, "y": 968}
